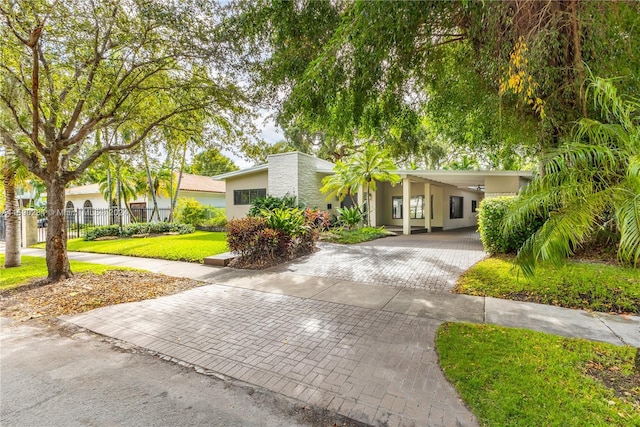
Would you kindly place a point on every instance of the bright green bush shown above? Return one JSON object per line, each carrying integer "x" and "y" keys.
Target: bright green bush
{"x": 290, "y": 221}
{"x": 215, "y": 217}
{"x": 270, "y": 203}
{"x": 495, "y": 239}
{"x": 190, "y": 211}
{"x": 350, "y": 217}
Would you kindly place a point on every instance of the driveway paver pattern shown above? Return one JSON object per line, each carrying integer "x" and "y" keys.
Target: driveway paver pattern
{"x": 377, "y": 367}
{"x": 431, "y": 261}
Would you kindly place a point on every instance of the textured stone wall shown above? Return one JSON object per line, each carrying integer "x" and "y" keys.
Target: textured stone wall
{"x": 283, "y": 175}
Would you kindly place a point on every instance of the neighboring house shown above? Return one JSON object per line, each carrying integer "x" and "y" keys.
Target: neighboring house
{"x": 438, "y": 199}
{"x": 201, "y": 188}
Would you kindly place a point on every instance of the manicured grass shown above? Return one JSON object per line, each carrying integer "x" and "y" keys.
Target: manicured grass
{"x": 192, "y": 247}
{"x": 358, "y": 235}
{"x": 515, "y": 377}
{"x": 35, "y": 267}
{"x": 598, "y": 287}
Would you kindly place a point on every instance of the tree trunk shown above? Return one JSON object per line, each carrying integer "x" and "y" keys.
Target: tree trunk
{"x": 152, "y": 189}
{"x": 57, "y": 259}
{"x": 11, "y": 215}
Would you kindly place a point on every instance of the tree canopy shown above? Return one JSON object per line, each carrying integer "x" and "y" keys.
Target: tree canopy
{"x": 503, "y": 79}
{"x": 71, "y": 68}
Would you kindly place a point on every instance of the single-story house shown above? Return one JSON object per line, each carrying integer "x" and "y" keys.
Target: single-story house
{"x": 438, "y": 199}
{"x": 204, "y": 189}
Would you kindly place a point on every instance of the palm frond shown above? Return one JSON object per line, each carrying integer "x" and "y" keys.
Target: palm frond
{"x": 628, "y": 219}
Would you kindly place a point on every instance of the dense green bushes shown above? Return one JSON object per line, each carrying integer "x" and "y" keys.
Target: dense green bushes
{"x": 190, "y": 211}
{"x": 275, "y": 235}
{"x": 492, "y": 231}
{"x": 271, "y": 203}
{"x": 138, "y": 228}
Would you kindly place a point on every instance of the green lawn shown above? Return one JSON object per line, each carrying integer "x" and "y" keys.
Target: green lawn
{"x": 192, "y": 247}
{"x": 350, "y": 237}
{"x": 598, "y": 287}
{"x": 514, "y": 377}
{"x": 34, "y": 267}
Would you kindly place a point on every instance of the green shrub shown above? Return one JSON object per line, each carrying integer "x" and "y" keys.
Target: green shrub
{"x": 107, "y": 230}
{"x": 138, "y": 228}
{"x": 290, "y": 220}
{"x": 215, "y": 217}
{"x": 494, "y": 238}
{"x": 350, "y": 217}
{"x": 190, "y": 211}
{"x": 270, "y": 203}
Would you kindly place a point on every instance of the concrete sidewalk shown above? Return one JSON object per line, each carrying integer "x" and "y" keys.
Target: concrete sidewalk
{"x": 362, "y": 350}
{"x": 614, "y": 329}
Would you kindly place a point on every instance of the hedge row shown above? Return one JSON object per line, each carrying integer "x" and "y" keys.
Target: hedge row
{"x": 138, "y": 228}
{"x": 495, "y": 238}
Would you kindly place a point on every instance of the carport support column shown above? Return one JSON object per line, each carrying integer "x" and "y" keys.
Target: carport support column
{"x": 427, "y": 206}
{"x": 406, "y": 200}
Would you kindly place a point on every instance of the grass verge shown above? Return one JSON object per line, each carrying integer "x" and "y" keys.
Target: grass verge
{"x": 350, "y": 237}
{"x": 192, "y": 247}
{"x": 590, "y": 286}
{"x": 36, "y": 267}
{"x": 515, "y": 377}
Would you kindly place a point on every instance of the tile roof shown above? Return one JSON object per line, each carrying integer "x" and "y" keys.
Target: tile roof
{"x": 191, "y": 182}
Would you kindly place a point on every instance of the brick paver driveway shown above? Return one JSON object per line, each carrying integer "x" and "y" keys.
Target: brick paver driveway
{"x": 375, "y": 366}
{"x": 431, "y": 261}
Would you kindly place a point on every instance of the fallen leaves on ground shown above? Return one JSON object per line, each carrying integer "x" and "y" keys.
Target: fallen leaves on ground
{"x": 87, "y": 291}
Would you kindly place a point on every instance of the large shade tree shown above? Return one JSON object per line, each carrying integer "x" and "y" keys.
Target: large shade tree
{"x": 72, "y": 67}
{"x": 504, "y": 79}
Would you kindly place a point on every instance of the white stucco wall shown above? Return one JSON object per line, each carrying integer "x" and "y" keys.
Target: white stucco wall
{"x": 245, "y": 182}
{"x": 469, "y": 218}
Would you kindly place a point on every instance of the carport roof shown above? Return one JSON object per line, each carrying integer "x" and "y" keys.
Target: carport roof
{"x": 460, "y": 178}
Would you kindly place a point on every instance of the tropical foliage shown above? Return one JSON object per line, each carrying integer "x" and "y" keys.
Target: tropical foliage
{"x": 589, "y": 185}
{"x": 494, "y": 237}
{"x": 501, "y": 79}
{"x": 349, "y": 216}
{"x": 271, "y": 203}
{"x": 363, "y": 169}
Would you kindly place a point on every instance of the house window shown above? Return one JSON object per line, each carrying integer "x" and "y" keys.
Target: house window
{"x": 396, "y": 206}
{"x": 69, "y": 213}
{"x": 474, "y": 206}
{"x": 246, "y": 197}
{"x": 455, "y": 203}
{"x": 416, "y": 207}
{"x": 87, "y": 212}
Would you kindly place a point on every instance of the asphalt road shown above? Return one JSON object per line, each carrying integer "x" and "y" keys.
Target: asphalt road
{"x": 47, "y": 379}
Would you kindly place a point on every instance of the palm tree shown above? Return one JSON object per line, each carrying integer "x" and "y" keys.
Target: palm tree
{"x": 591, "y": 183}
{"x": 362, "y": 169}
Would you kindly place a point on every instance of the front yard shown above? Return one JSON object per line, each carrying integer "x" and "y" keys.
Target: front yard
{"x": 192, "y": 247}
{"x": 581, "y": 285}
{"x": 515, "y": 377}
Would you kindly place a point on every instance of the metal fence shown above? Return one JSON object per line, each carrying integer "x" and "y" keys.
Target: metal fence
{"x": 80, "y": 220}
